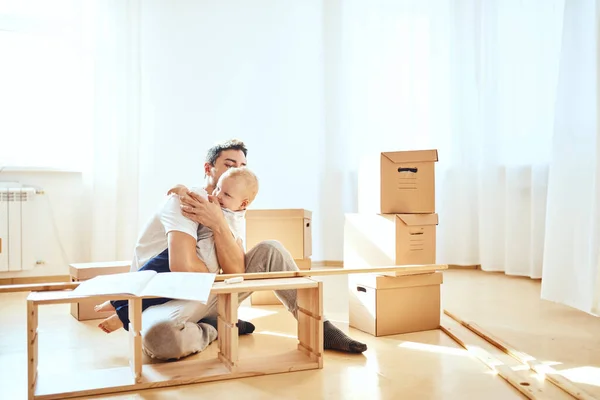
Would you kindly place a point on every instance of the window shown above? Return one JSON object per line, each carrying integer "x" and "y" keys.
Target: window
{"x": 45, "y": 85}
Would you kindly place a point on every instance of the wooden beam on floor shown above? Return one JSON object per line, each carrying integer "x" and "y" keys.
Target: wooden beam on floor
{"x": 505, "y": 366}
{"x": 543, "y": 370}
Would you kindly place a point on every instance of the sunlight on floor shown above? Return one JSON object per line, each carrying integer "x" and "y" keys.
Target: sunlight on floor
{"x": 276, "y": 334}
{"x": 250, "y": 313}
{"x": 434, "y": 348}
{"x": 588, "y": 375}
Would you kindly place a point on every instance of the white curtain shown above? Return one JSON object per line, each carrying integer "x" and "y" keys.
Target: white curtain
{"x": 572, "y": 244}
{"x": 111, "y": 174}
{"x": 507, "y": 91}
{"x": 476, "y": 80}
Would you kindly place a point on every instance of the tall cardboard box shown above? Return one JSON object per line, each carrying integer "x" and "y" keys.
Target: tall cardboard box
{"x": 292, "y": 228}
{"x": 84, "y": 309}
{"x": 397, "y": 182}
{"x": 382, "y": 305}
{"x": 373, "y": 240}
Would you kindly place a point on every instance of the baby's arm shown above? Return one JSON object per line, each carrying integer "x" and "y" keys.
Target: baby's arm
{"x": 179, "y": 190}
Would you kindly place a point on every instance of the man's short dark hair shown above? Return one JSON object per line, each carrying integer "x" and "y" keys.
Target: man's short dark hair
{"x": 231, "y": 144}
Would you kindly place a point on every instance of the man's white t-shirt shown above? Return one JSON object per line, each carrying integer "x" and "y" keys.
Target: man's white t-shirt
{"x": 153, "y": 239}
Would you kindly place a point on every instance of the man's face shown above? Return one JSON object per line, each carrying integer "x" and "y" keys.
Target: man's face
{"x": 227, "y": 159}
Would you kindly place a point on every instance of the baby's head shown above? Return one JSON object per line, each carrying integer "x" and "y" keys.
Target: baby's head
{"x": 236, "y": 188}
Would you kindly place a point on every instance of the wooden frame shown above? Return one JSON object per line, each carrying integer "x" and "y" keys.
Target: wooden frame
{"x": 227, "y": 365}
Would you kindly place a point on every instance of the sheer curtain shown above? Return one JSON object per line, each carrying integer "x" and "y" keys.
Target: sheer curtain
{"x": 572, "y": 244}
{"x": 475, "y": 80}
{"x": 111, "y": 171}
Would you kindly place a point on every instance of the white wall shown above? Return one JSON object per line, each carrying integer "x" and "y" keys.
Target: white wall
{"x": 62, "y": 221}
{"x": 212, "y": 71}
{"x": 251, "y": 70}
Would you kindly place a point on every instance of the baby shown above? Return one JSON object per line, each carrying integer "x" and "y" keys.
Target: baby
{"x": 235, "y": 191}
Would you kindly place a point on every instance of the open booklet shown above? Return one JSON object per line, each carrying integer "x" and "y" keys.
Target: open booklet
{"x": 194, "y": 286}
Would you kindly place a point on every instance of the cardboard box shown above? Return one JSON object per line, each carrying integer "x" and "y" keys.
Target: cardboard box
{"x": 372, "y": 240}
{"x": 382, "y": 305}
{"x": 84, "y": 309}
{"x": 268, "y": 298}
{"x": 291, "y": 227}
{"x": 397, "y": 182}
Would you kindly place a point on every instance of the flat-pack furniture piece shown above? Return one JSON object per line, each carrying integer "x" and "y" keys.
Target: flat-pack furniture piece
{"x": 227, "y": 365}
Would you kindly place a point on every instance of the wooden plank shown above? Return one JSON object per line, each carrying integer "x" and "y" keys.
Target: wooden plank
{"x": 117, "y": 380}
{"x": 30, "y": 287}
{"x": 32, "y": 348}
{"x": 135, "y": 337}
{"x": 21, "y": 280}
{"x": 522, "y": 380}
{"x": 66, "y": 296}
{"x": 227, "y": 311}
{"x": 543, "y": 370}
{"x": 310, "y": 323}
{"x": 397, "y": 269}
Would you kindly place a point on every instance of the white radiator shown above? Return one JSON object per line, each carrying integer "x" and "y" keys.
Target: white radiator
{"x": 18, "y": 219}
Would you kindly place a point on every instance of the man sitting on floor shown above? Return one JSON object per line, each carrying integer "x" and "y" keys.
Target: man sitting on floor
{"x": 178, "y": 328}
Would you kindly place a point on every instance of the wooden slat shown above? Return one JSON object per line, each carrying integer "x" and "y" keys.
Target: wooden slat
{"x": 545, "y": 371}
{"x": 135, "y": 334}
{"x": 31, "y": 287}
{"x": 310, "y": 323}
{"x": 227, "y": 309}
{"x": 397, "y": 269}
{"x": 32, "y": 348}
{"x": 66, "y": 296}
{"x": 118, "y": 380}
{"x": 523, "y": 381}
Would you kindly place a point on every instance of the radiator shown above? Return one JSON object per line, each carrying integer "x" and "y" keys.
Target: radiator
{"x": 18, "y": 211}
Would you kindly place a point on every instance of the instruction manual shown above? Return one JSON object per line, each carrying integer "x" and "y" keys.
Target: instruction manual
{"x": 195, "y": 286}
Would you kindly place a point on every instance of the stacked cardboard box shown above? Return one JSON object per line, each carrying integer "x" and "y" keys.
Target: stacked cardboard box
{"x": 395, "y": 225}
{"x": 292, "y": 228}
{"x": 84, "y": 310}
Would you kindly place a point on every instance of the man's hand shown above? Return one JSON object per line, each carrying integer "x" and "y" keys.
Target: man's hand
{"x": 203, "y": 211}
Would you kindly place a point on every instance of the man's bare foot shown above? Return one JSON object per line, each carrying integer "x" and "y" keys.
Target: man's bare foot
{"x": 106, "y": 306}
{"x": 111, "y": 324}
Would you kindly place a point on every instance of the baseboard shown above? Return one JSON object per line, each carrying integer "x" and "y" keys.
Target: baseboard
{"x": 35, "y": 279}
{"x": 454, "y": 266}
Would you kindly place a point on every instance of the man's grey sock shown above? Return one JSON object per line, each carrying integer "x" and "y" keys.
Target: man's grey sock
{"x": 244, "y": 327}
{"x": 335, "y": 339}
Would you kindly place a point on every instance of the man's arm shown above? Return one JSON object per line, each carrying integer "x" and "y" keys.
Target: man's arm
{"x": 207, "y": 212}
{"x": 181, "y": 238}
{"x": 182, "y": 253}
{"x": 230, "y": 253}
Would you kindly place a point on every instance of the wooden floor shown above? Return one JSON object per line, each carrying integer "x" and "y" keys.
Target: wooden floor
{"x": 424, "y": 365}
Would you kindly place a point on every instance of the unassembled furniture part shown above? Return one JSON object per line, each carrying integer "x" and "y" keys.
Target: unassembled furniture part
{"x": 227, "y": 365}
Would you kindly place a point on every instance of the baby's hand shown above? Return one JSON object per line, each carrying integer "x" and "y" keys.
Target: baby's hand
{"x": 179, "y": 190}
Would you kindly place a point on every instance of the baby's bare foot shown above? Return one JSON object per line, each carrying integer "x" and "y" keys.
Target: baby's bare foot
{"x": 111, "y": 324}
{"x": 106, "y": 306}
